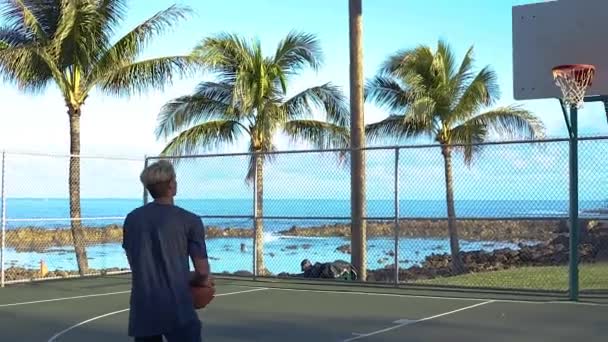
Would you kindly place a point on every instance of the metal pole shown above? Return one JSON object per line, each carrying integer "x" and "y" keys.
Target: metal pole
{"x": 2, "y": 276}
{"x": 255, "y": 213}
{"x": 145, "y": 190}
{"x": 574, "y": 222}
{"x": 396, "y": 217}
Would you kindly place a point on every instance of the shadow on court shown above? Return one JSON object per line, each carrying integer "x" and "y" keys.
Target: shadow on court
{"x": 96, "y": 310}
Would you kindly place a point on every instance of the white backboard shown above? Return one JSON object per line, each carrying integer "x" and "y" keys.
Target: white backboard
{"x": 551, "y": 33}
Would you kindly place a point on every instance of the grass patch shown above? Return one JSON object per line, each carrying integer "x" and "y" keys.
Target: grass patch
{"x": 591, "y": 277}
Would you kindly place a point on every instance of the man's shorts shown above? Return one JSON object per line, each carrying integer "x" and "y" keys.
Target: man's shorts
{"x": 187, "y": 333}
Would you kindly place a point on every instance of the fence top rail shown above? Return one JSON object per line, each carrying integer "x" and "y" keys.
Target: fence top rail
{"x": 373, "y": 148}
{"x": 67, "y": 155}
{"x": 63, "y": 219}
{"x": 335, "y": 150}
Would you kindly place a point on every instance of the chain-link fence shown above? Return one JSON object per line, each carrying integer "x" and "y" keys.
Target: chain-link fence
{"x": 289, "y": 217}
{"x": 45, "y": 236}
{"x": 510, "y": 226}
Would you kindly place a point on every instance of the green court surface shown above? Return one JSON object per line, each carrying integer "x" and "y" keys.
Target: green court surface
{"x": 96, "y": 310}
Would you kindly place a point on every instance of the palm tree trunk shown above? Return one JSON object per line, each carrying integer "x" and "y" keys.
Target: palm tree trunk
{"x": 457, "y": 265}
{"x": 358, "y": 225}
{"x": 74, "y": 189}
{"x": 259, "y": 210}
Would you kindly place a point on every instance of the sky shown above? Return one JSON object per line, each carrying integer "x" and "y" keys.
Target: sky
{"x": 124, "y": 127}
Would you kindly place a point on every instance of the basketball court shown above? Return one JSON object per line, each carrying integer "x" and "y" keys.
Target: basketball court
{"x": 546, "y": 35}
{"x": 97, "y": 309}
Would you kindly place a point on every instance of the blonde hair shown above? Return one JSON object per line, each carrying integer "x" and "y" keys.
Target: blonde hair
{"x": 156, "y": 177}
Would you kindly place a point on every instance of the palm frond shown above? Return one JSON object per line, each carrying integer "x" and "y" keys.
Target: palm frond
{"x": 322, "y": 135}
{"x": 208, "y": 135}
{"x": 467, "y": 137}
{"x": 65, "y": 28}
{"x": 413, "y": 67}
{"x": 184, "y": 111}
{"x": 465, "y": 75}
{"x": 444, "y": 63}
{"x": 388, "y": 93}
{"x": 482, "y": 91}
{"x": 138, "y": 77}
{"x": 129, "y": 46}
{"x": 111, "y": 13}
{"x": 510, "y": 122}
{"x": 395, "y": 128}
{"x": 26, "y": 17}
{"x": 255, "y": 80}
{"x": 12, "y": 38}
{"x": 296, "y": 50}
{"x": 31, "y": 68}
{"x": 225, "y": 54}
{"x": 223, "y": 93}
{"x": 80, "y": 35}
{"x": 327, "y": 97}
{"x": 422, "y": 112}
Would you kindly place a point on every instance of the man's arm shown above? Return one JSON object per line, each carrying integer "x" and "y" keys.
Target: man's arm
{"x": 197, "y": 249}
{"x": 202, "y": 271}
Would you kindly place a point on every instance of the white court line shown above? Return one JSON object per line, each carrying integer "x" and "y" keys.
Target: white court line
{"x": 64, "y": 298}
{"x": 470, "y": 299}
{"x": 52, "y": 339}
{"x": 381, "y": 331}
{"x": 85, "y": 322}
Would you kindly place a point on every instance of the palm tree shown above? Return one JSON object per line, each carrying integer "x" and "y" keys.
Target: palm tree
{"x": 430, "y": 96}
{"x": 68, "y": 44}
{"x": 358, "y": 183}
{"x": 249, "y": 100}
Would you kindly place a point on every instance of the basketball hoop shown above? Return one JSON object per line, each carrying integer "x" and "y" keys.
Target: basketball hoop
{"x": 574, "y": 80}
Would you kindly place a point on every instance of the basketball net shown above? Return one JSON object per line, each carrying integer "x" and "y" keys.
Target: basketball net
{"x": 574, "y": 80}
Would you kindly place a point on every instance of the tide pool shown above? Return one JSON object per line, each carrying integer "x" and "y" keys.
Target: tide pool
{"x": 281, "y": 254}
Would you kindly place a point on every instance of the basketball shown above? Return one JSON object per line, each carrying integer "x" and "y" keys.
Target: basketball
{"x": 202, "y": 295}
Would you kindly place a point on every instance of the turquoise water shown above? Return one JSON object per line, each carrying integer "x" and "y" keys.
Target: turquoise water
{"x": 282, "y": 254}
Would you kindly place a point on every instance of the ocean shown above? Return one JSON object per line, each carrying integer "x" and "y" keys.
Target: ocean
{"x": 53, "y": 212}
{"x": 282, "y": 254}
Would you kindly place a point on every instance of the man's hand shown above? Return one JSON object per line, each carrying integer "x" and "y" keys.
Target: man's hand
{"x": 201, "y": 280}
{"x": 209, "y": 281}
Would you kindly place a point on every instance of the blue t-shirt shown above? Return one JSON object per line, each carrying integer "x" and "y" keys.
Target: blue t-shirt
{"x": 158, "y": 240}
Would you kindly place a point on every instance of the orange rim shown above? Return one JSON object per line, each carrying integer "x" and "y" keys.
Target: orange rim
{"x": 580, "y": 71}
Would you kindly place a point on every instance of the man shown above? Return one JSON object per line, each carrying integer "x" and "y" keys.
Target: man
{"x": 333, "y": 270}
{"x": 158, "y": 238}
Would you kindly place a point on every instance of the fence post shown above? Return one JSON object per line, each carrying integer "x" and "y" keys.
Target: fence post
{"x": 145, "y": 190}
{"x": 396, "y": 217}
{"x": 255, "y": 213}
{"x": 3, "y": 205}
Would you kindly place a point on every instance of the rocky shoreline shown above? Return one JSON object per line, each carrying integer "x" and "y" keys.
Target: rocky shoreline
{"x": 593, "y": 248}
{"x": 28, "y": 239}
{"x": 14, "y": 273}
{"x": 498, "y": 230}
